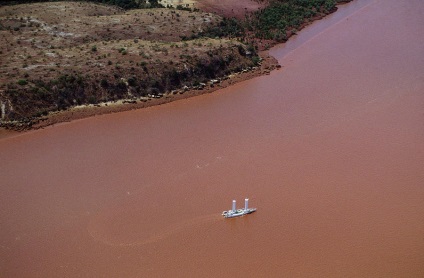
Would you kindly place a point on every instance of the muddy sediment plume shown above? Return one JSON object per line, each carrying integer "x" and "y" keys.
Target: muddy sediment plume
{"x": 329, "y": 150}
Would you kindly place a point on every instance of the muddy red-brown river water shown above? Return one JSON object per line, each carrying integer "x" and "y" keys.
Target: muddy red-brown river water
{"x": 330, "y": 149}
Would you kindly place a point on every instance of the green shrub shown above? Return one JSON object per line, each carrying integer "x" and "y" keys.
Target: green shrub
{"x": 22, "y": 82}
{"x": 256, "y": 60}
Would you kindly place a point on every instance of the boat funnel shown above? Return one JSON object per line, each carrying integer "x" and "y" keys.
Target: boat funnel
{"x": 246, "y": 204}
{"x": 234, "y": 205}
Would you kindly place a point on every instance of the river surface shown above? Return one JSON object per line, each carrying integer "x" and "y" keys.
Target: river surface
{"x": 330, "y": 149}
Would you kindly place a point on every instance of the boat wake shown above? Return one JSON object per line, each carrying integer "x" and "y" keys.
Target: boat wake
{"x": 99, "y": 233}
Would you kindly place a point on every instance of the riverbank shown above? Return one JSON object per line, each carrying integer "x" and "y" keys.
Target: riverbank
{"x": 266, "y": 66}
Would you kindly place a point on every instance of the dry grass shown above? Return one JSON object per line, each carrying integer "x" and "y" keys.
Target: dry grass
{"x": 40, "y": 39}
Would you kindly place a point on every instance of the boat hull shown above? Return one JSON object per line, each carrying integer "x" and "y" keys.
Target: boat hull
{"x": 237, "y": 213}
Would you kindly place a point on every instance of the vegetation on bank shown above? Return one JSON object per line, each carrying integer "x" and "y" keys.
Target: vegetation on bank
{"x": 280, "y": 18}
{"x": 133, "y": 79}
{"x": 276, "y": 22}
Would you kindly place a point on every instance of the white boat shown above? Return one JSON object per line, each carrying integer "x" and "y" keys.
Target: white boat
{"x": 238, "y": 212}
